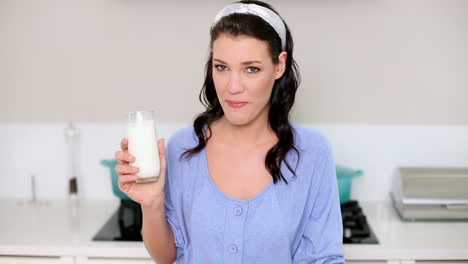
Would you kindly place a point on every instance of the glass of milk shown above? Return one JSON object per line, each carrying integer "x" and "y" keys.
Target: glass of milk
{"x": 142, "y": 144}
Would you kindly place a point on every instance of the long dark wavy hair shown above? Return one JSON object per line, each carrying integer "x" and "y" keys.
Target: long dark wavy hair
{"x": 281, "y": 99}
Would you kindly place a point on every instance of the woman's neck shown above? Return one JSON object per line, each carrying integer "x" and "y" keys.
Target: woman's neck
{"x": 252, "y": 134}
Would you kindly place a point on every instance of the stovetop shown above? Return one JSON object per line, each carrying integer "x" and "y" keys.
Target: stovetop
{"x": 125, "y": 224}
{"x": 356, "y": 229}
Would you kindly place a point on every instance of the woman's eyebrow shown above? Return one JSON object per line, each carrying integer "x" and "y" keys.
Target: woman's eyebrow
{"x": 243, "y": 63}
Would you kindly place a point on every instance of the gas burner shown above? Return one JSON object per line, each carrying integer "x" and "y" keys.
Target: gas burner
{"x": 356, "y": 229}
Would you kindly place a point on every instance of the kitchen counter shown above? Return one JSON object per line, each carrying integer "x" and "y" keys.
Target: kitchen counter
{"x": 55, "y": 228}
{"x": 409, "y": 240}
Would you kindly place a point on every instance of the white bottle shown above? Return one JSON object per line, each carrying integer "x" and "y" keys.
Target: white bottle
{"x": 142, "y": 144}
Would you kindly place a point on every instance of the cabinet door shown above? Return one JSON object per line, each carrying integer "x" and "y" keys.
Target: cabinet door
{"x": 35, "y": 260}
{"x": 372, "y": 262}
{"x": 441, "y": 261}
{"x": 92, "y": 260}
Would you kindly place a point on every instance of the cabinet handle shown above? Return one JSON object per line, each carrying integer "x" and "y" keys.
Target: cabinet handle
{"x": 456, "y": 206}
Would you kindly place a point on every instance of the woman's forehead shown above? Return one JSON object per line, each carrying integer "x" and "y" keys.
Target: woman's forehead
{"x": 240, "y": 48}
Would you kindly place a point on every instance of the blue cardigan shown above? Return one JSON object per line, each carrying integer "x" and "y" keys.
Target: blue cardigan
{"x": 298, "y": 222}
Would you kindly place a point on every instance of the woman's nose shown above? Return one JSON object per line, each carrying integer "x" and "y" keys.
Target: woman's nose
{"x": 235, "y": 85}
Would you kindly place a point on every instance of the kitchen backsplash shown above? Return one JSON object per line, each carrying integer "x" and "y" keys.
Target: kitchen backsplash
{"x": 41, "y": 150}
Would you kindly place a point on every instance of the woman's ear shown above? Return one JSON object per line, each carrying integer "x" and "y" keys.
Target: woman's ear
{"x": 281, "y": 66}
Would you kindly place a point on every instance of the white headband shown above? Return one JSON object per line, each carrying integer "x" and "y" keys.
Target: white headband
{"x": 266, "y": 14}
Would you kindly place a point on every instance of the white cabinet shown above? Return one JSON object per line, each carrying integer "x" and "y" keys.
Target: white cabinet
{"x": 35, "y": 260}
{"x": 366, "y": 261}
{"x": 373, "y": 262}
{"x": 96, "y": 260}
{"x": 441, "y": 262}
{"x": 405, "y": 261}
{"x": 71, "y": 260}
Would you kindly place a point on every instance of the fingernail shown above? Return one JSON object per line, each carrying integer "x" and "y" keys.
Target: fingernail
{"x": 134, "y": 169}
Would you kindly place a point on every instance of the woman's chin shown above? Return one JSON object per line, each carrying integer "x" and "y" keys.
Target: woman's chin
{"x": 237, "y": 120}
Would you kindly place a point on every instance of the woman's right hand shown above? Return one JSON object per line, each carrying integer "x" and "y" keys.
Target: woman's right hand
{"x": 148, "y": 194}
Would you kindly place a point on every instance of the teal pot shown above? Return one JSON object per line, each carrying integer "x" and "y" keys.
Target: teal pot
{"x": 114, "y": 178}
{"x": 345, "y": 177}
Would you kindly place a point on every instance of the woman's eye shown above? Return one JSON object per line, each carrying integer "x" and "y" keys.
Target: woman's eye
{"x": 252, "y": 69}
{"x": 220, "y": 67}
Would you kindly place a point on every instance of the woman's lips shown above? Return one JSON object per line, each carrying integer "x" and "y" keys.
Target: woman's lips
{"x": 236, "y": 104}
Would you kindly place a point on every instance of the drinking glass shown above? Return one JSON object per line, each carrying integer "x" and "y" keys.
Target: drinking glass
{"x": 142, "y": 144}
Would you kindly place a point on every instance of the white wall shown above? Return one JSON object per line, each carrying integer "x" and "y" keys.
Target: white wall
{"x": 376, "y": 149}
{"x": 372, "y": 62}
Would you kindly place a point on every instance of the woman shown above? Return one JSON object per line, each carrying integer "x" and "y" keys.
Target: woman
{"x": 243, "y": 185}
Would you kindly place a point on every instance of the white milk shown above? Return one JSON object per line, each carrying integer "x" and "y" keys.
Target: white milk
{"x": 142, "y": 145}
